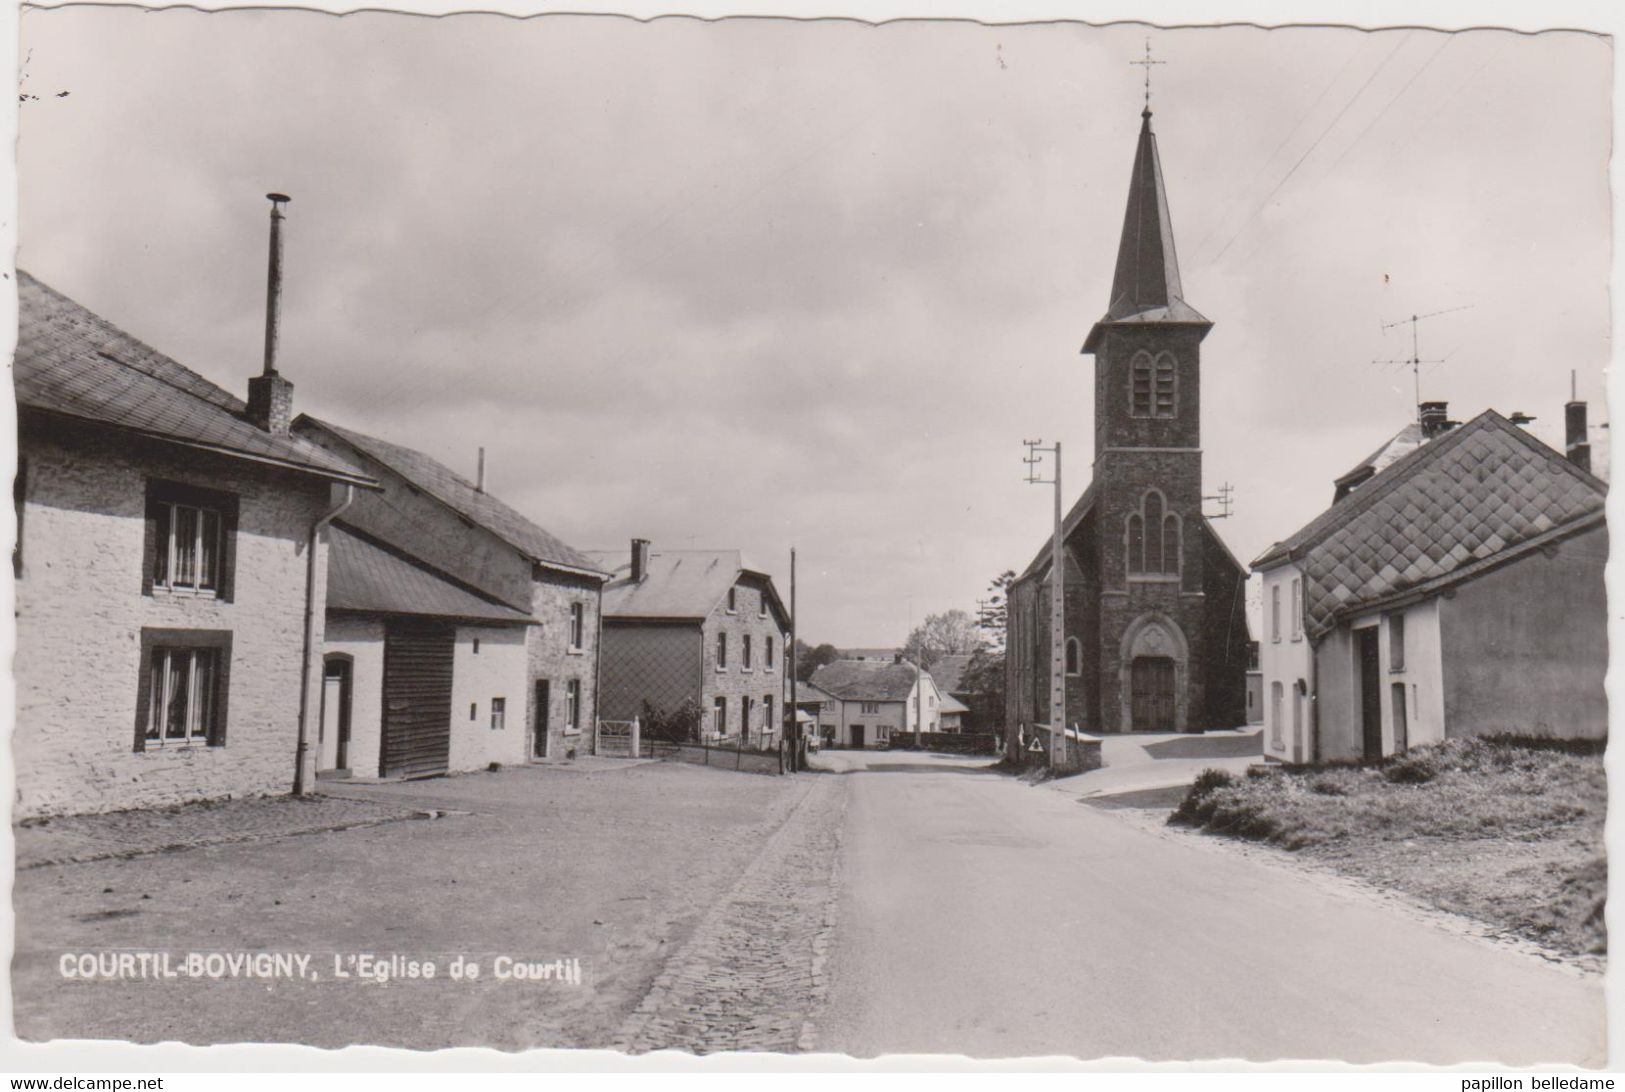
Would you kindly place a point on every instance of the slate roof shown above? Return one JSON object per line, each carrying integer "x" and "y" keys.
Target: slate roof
{"x": 948, "y": 669}
{"x": 462, "y": 496}
{"x": 1069, "y": 524}
{"x": 863, "y": 680}
{"x": 74, "y": 363}
{"x": 1480, "y": 491}
{"x": 806, "y": 692}
{"x": 365, "y": 575}
{"x": 1145, "y": 285}
{"x": 680, "y": 584}
{"x": 1393, "y": 449}
{"x": 951, "y": 704}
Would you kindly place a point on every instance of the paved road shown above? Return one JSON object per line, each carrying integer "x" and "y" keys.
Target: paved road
{"x": 983, "y": 916}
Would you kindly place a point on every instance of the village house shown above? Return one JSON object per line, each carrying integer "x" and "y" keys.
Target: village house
{"x": 694, "y": 641}
{"x": 871, "y": 702}
{"x": 1154, "y": 615}
{"x": 459, "y": 633}
{"x": 1454, "y": 589}
{"x": 963, "y": 705}
{"x": 810, "y": 703}
{"x": 170, "y": 572}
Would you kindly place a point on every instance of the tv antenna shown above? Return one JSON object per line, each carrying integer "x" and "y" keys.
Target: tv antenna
{"x": 1414, "y": 362}
{"x": 1226, "y": 501}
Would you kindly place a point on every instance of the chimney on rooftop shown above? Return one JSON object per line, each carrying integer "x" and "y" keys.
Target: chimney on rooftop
{"x": 1576, "y": 444}
{"x": 479, "y": 475}
{"x": 640, "y": 559}
{"x": 1435, "y": 419}
{"x": 270, "y": 397}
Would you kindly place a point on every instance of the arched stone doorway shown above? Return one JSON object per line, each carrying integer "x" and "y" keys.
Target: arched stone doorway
{"x": 1152, "y": 673}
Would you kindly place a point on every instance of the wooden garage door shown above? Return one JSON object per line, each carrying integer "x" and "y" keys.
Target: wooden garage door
{"x": 417, "y": 699}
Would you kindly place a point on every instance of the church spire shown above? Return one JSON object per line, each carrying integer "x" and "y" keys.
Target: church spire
{"x": 1145, "y": 286}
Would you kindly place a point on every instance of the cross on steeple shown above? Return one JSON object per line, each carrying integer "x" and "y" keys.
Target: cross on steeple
{"x": 1146, "y": 64}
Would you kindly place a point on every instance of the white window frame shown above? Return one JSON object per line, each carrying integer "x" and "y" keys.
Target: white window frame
{"x": 1297, "y": 608}
{"x": 168, "y": 546}
{"x": 499, "y": 714}
{"x": 199, "y": 715}
{"x": 572, "y": 707}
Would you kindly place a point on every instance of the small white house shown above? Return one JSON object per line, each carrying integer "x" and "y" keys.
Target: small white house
{"x": 871, "y": 701}
{"x": 1456, "y": 590}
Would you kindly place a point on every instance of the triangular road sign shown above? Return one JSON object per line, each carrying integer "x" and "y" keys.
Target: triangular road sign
{"x": 1035, "y": 746}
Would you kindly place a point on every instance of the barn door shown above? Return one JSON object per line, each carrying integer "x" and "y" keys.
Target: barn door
{"x": 1151, "y": 679}
{"x": 417, "y": 699}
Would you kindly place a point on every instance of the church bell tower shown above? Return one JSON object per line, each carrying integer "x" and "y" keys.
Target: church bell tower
{"x": 1148, "y": 470}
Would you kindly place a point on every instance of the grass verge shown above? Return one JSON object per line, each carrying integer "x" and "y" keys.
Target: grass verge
{"x": 1504, "y": 830}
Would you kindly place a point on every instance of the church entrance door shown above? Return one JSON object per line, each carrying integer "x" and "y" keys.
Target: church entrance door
{"x": 1152, "y": 698}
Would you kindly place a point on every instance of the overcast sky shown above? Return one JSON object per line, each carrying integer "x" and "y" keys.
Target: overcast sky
{"x": 761, "y": 283}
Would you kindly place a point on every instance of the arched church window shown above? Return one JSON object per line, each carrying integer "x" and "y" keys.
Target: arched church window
{"x": 1153, "y": 385}
{"x": 1074, "y": 656}
{"x": 1153, "y": 538}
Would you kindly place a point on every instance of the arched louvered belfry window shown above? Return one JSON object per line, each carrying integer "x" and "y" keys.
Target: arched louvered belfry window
{"x": 1153, "y": 385}
{"x": 1153, "y": 538}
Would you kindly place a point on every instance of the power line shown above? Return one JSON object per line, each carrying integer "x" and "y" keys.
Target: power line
{"x": 1267, "y": 160}
{"x": 1310, "y": 151}
{"x": 1384, "y": 112}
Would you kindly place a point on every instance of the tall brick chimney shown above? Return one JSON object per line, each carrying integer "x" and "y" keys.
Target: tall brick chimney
{"x": 1576, "y": 442}
{"x": 640, "y": 559}
{"x": 270, "y": 397}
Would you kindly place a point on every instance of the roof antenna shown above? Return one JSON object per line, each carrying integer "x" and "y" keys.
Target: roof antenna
{"x": 1414, "y": 362}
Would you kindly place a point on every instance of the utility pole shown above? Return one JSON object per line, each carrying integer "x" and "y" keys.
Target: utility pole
{"x": 1057, "y": 618}
{"x": 795, "y": 708}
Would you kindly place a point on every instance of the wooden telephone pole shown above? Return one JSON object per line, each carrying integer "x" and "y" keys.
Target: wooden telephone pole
{"x": 1057, "y": 618}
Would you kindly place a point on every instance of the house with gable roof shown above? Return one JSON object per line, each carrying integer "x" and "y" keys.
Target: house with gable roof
{"x": 873, "y": 701}
{"x": 169, "y": 571}
{"x": 1454, "y": 590}
{"x": 696, "y": 630}
{"x": 459, "y": 633}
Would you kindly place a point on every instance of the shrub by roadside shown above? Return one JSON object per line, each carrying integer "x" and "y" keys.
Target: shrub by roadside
{"x": 1508, "y": 831}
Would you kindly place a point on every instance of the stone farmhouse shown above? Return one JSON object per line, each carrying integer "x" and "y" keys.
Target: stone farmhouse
{"x": 1454, "y": 588}
{"x": 170, "y": 572}
{"x": 696, "y": 630}
{"x": 1154, "y": 606}
{"x": 441, "y": 598}
{"x": 870, "y": 702}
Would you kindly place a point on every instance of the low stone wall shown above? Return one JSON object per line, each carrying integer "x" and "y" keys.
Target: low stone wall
{"x": 722, "y": 758}
{"x": 957, "y": 743}
{"x": 1081, "y": 756}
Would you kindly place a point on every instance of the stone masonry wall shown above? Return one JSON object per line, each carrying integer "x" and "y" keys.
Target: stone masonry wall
{"x": 734, "y": 681}
{"x": 80, "y": 612}
{"x": 552, "y": 658}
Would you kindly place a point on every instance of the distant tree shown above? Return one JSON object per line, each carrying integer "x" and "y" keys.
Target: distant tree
{"x": 940, "y": 635}
{"x": 982, "y": 683}
{"x": 810, "y": 659}
{"x": 992, "y": 617}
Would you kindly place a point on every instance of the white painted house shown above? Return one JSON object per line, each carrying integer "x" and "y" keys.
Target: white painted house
{"x": 1455, "y": 590}
{"x": 872, "y": 701}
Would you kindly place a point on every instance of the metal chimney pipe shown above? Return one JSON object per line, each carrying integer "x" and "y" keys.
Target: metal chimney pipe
{"x": 479, "y": 479}
{"x": 273, "y": 282}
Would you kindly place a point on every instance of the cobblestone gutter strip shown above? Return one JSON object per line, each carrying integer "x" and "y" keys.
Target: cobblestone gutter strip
{"x": 752, "y": 977}
{"x": 79, "y": 839}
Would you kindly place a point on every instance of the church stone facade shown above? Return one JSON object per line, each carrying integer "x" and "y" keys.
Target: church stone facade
{"x": 1155, "y": 605}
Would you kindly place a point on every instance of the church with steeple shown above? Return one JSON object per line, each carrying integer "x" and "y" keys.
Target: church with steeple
{"x": 1155, "y": 614}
